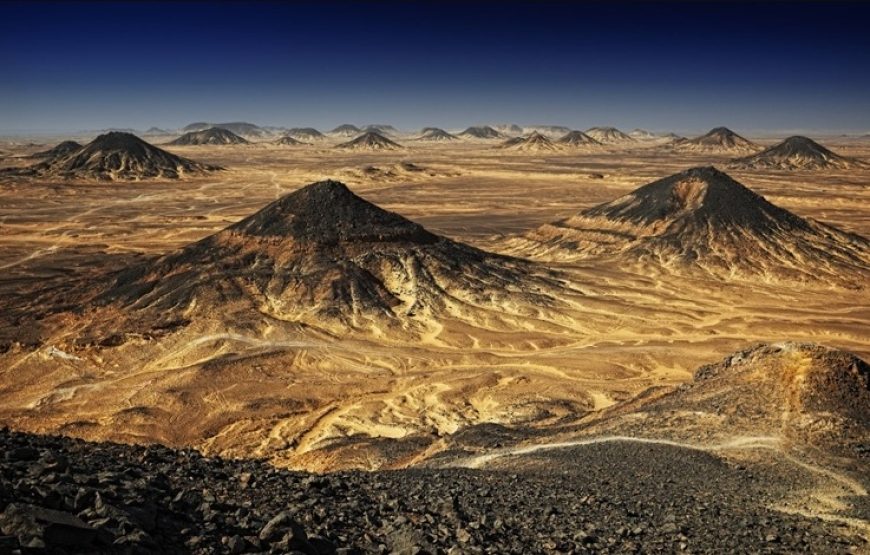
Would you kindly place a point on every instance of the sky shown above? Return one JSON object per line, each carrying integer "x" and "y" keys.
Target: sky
{"x": 751, "y": 66}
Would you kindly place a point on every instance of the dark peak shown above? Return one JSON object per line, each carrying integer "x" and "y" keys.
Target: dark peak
{"x": 304, "y": 131}
{"x": 721, "y": 132}
{"x": 482, "y": 132}
{"x": 370, "y": 139}
{"x": 536, "y": 136}
{"x": 578, "y": 137}
{"x": 327, "y": 212}
{"x": 346, "y": 127}
{"x": 703, "y": 195}
{"x": 118, "y": 140}
{"x": 799, "y": 142}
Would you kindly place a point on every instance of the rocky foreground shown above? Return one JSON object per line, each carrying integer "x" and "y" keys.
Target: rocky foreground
{"x": 59, "y": 495}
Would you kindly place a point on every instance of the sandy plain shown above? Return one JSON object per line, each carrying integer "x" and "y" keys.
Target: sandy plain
{"x": 312, "y": 399}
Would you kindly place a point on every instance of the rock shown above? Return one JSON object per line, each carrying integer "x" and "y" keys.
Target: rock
{"x": 22, "y": 454}
{"x": 52, "y": 527}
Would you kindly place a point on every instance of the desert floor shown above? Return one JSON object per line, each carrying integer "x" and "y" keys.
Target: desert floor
{"x": 320, "y": 402}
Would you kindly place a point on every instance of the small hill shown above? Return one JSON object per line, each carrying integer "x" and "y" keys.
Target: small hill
{"x": 577, "y": 139}
{"x": 370, "y": 141}
{"x": 718, "y": 140}
{"x": 533, "y": 143}
{"x": 210, "y": 136}
{"x": 481, "y": 132}
{"x": 305, "y": 134}
{"x": 62, "y": 149}
{"x": 156, "y": 131}
{"x": 806, "y": 395}
{"x": 346, "y": 130}
{"x": 290, "y": 141}
{"x": 117, "y": 156}
{"x": 609, "y": 135}
{"x": 703, "y": 220}
{"x": 436, "y": 135}
{"x": 238, "y": 127}
{"x": 796, "y": 153}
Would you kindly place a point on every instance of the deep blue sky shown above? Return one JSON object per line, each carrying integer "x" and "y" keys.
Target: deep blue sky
{"x": 663, "y": 66}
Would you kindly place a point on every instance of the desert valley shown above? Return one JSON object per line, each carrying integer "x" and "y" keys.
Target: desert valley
{"x": 446, "y": 299}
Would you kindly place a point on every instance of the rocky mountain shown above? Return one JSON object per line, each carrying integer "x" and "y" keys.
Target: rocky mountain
{"x": 796, "y": 153}
{"x": 62, "y": 149}
{"x": 238, "y": 127}
{"x": 370, "y": 141}
{"x": 305, "y": 134}
{"x": 717, "y": 140}
{"x": 116, "y": 156}
{"x": 577, "y": 139}
{"x": 609, "y": 135}
{"x": 533, "y": 143}
{"x": 481, "y": 132}
{"x": 210, "y": 136}
{"x": 346, "y": 130}
{"x": 324, "y": 257}
{"x": 702, "y": 219}
{"x": 156, "y": 131}
{"x": 287, "y": 140}
{"x": 807, "y": 396}
{"x": 434, "y": 134}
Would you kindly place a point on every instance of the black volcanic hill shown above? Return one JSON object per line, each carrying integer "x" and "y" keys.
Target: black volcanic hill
{"x": 609, "y": 135}
{"x": 535, "y": 142}
{"x": 210, "y": 136}
{"x": 237, "y": 127}
{"x": 62, "y": 149}
{"x": 305, "y": 134}
{"x": 719, "y": 139}
{"x": 481, "y": 132}
{"x": 325, "y": 257}
{"x": 370, "y": 141}
{"x": 577, "y": 139}
{"x": 796, "y": 153}
{"x": 435, "y": 134}
{"x": 117, "y": 156}
{"x": 346, "y": 130}
{"x": 702, "y": 218}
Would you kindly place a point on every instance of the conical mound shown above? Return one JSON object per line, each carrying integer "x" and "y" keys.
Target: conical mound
{"x": 799, "y": 394}
{"x": 796, "y": 153}
{"x": 717, "y": 140}
{"x": 346, "y": 130}
{"x": 370, "y": 141}
{"x": 117, "y": 156}
{"x": 533, "y": 143}
{"x": 326, "y": 258}
{"x": 577, "y": 139}
{"x": 434, "y": 134}
{"x": 702, "y": 219}
{"x": 609, "y": 135}
{"x": 481, "y": 132}
{"x": 210, "y": 136}
{"x": 62, "y": 149}
{"x": 305, "y": 134}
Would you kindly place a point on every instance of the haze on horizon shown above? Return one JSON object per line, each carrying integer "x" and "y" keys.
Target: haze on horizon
{"x": 684, "y": 67}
